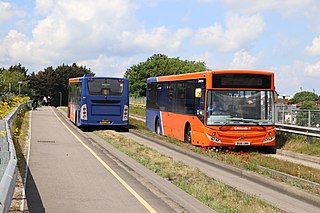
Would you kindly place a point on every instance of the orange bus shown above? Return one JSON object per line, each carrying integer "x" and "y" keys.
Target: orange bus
{"x": 214, "y": 108}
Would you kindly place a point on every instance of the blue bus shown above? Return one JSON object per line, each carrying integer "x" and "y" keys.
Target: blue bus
{"x": 98, "y": 101}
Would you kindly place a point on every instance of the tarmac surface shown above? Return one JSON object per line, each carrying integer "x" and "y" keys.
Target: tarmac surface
{"x": 65, "y": 176}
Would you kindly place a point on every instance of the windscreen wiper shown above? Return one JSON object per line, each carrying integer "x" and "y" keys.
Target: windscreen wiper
{"x": 227, "y": 122}
{"x": 242, "y": 120}
{"x": 249, "y": 121}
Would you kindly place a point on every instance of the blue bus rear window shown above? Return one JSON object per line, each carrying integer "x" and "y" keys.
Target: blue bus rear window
{"x": 105, "y": 86}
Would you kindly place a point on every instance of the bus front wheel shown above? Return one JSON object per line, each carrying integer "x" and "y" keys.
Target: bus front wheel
{"x": 187, "y": 134}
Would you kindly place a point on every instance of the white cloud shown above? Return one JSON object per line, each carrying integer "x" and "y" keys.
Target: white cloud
{"x": 288, "y": 77}
{"x": 43, "y": 7}
{"x": 313, "y": 70}
{"x": 156, "y": 39}
{"x": 206, "y": 57}
{"x": 240, "y": 31}
{"x": 75, "y": 30}
{"x": 314, "y": 48}
{"x": 8, "y": 11}
{"x": 109, "y": 66}
{"x": 243, "y": 60}
{"x": 286, "y": 7}
{"x": 298, "y": 75}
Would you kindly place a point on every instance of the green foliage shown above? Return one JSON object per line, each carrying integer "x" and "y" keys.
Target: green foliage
{"x": 13, "y": 79}
{"x": 309, "y": 105}
{"x": 51, "y": 82}
{"x": 10, "y": 103}
{"x": 158, "y": 65}
{"x": 304, "y": 96}
{"x": 303, "y": 118}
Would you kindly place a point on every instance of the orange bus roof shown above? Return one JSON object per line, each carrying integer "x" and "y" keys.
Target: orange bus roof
{"x": 197, "y": 75}
{"x": 74, "y": 80}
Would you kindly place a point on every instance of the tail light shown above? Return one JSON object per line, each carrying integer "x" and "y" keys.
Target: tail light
{"x": 125, "y": 116}
{"x": 83, "y": 112}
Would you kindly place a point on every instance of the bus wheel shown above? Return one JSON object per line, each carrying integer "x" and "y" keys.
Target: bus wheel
{"x": 157, "y": 127}
{"x": 187, "y": 134}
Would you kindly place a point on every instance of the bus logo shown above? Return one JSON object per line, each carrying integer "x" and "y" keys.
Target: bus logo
{"x": 242, "y": 136}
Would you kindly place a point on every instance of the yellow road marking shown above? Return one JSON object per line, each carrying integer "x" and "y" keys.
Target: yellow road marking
{"x": 131, "y": 190}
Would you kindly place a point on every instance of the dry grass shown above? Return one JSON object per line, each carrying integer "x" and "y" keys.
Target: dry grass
{"x": 249, "y": 160}
{"x": 20, "y": 129}
{"x": 215, "y": 194}
{"x": 138, "y": 110}
{"x": 299, "y": 144}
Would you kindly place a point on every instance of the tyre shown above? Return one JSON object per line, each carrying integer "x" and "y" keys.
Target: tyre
{"x": 187, "y": 134}
{"x": 157, "y": 128}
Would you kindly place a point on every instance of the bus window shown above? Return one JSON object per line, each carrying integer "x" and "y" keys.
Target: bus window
{"x": 105, "y": 86}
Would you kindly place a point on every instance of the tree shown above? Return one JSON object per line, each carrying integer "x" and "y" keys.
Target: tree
{"x": 158, "y": 65}
{"x": 306, "y": 116}
{"x": 309, "y": 105}
{"x": 304, "y": 96}
{"x": 14, "y": 80}
{"x": 54, "y": 82}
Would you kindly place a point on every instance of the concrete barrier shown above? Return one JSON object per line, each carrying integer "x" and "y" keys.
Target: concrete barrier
{"x": 8, "y": 161}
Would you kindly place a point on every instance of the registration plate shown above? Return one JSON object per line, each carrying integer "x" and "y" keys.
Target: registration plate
{"x": 242, "y": 143}
{"x": 104, "y": 122}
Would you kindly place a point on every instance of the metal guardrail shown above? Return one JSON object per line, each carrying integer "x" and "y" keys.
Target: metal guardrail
{"x": 8, "y": 161}
{"x": 301, "y": 130}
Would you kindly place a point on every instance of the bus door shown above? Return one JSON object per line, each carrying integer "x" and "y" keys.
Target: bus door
{"x": 199, "y": 93}
{"x": 168, "y": 118}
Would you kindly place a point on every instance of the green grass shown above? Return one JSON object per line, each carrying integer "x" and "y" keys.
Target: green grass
{"x": 138, "y": 110}
{"x": 213, "y": 193}
{"x": 19, "y": 131}
{"x": 299, "y": 144}
{"x": 249, "y": 160}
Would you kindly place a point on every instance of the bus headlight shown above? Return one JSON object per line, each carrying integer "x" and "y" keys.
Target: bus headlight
{"x": 269, "y": 138}
{"x": 214, "y": 138}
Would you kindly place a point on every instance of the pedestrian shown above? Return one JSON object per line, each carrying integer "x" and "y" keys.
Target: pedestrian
{"x": 34, "y": 102}
{"x": 44, "y": 101}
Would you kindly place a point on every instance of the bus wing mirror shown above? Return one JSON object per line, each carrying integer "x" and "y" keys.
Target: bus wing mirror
{"x": 275, "y": 94}
{"x": 198, "y": 92}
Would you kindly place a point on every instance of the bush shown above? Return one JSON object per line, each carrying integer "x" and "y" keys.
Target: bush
{"x": 10, "y": 103}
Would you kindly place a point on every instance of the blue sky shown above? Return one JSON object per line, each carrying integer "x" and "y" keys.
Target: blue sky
{"x": 109, "y": 36}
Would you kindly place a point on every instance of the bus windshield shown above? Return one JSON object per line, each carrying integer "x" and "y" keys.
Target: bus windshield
{"x": 105, "y": 86}
{"x": 240, "y": 107}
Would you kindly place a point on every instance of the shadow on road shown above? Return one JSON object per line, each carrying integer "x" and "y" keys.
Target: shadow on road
{"x": 34, "y": 201}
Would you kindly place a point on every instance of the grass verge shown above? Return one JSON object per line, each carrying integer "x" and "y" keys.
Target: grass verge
{"x": 19, "y": 131}
{"x": 299, "y": 144}
{"x": 138, "y": 110}
{"x": 215, "y": 194}
{"x": 249, "y": 160}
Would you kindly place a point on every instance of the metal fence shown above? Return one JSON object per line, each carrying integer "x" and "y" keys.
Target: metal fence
{"x": 290, "y": 115}
{"x": 138, "y": 100}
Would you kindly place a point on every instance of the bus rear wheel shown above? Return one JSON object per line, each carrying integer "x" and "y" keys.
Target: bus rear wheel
{"x": 157, "y": 129}
{"x": 187, "y": 134}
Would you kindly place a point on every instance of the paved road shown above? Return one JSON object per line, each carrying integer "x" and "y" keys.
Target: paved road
{"x": 65, "y": 177}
